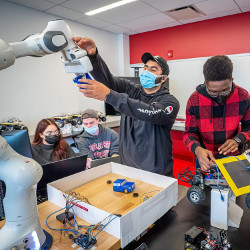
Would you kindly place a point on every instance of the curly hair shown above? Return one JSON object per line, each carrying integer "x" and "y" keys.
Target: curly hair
{"x": 218, "y": 68}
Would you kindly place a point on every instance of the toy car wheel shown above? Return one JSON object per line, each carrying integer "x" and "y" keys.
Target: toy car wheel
{"x": 60, "y": 124}
{"x": 125, "y": 191}
{"x": 79, "y": 122}
{"x": 196, "y": 195}
{"x": 248, "y": 201}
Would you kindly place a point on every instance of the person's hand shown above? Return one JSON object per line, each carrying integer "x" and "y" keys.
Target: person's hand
{"x": 230, "y": 146}
{"x": 93, "y": 89}
{"x": 86, "y": 44}
{"x": 88, "y": 164}
{"x": 205, "y": 158}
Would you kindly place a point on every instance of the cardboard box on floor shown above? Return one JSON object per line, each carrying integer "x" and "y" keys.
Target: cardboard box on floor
{"x": 133, "y": 223}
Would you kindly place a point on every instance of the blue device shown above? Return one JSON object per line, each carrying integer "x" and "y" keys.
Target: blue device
{"x": 76, "y": 79}
{"x": 122, "y": 185}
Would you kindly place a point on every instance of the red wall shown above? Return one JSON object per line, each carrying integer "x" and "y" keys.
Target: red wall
{"x": 224, "y": 35}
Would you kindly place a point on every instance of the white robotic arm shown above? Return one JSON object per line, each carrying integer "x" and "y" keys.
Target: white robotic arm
{"x": 22, "y": 227}
{"x": 56, "y": 37}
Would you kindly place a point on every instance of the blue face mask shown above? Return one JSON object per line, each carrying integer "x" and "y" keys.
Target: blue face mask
{"x": 91, "y": 130}
{"x": 148, "y": 79}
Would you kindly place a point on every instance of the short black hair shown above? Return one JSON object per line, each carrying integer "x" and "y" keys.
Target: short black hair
{"x": 218, "y": 68}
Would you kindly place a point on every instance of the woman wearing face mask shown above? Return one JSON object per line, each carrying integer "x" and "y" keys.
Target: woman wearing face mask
{"x": 97, "y": 141}
{"x": 48, "y": 145}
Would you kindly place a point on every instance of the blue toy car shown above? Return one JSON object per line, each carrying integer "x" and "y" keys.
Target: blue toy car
{"x": 121, "y": 185}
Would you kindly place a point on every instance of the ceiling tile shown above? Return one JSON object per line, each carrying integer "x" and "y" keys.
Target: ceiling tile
{"x": 243, "y": 3}
{"x": 66, "y": 13}
{"x": 215, "y": 15}
{"x": 126, "y": 12}
{"x": 131, "y": 32}
{"x": 147, "y": 21}
{"x": 157, "y": 27}
{"x": 245, "y": 9}
{"x": 93, "y": 22}
{"x": 215, "y": 6}
{"x": 56, "y": 1}
{"x": 86, "y": 5}
{"x": 164, "y": 5}
{"x": 34, "y": 4}
{"x": 116, "y": 29}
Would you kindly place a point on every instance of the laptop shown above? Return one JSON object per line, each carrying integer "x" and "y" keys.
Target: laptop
{"x": 56, "y": 170}
{"x": 98, "y": 162}
{"x": 18, "y": 140}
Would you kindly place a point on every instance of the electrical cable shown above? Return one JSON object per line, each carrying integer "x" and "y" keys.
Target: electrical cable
{"x": 62, "y": 229}
{"x": 218, "y": 179}
{"x": 241, "y": 163}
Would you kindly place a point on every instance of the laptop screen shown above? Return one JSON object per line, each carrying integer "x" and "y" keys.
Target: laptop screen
{"x": 19, "y": 141}
{"x": 98, "y": 162}
{"x": 56, "y": 170}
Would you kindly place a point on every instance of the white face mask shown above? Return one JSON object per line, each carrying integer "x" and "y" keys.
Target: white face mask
{"x": 92, "y": 129}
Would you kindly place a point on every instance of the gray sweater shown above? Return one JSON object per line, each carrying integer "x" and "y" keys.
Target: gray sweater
{"x": 103, "y": 145}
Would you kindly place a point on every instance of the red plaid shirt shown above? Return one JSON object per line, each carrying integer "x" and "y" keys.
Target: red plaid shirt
{"x": 209, "y": 124}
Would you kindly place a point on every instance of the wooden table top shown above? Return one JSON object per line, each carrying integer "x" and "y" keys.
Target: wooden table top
{"x": 101, "y": 195}
{"x": 62, "y": 242}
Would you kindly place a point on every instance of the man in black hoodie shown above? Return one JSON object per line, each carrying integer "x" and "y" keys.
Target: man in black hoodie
{"x": 148, "y": 111}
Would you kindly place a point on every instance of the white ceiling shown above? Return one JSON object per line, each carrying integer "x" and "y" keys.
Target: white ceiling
{"x": 135, "y": 17}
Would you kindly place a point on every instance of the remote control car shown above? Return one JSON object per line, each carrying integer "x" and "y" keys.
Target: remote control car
{"x": 64, "y": 119}
{"x": 196, "y": 193}
{"x": 122, "y": 185}
{"x": 230, "y": 172}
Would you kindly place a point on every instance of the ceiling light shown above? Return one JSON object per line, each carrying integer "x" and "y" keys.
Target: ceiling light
{"x": 108, "y": 7}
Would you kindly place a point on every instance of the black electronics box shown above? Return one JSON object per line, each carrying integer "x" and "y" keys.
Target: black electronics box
{"x": 61, "y": 217}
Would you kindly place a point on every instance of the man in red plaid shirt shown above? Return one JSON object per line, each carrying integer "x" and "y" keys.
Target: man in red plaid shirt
{"x": 217, "y": 115}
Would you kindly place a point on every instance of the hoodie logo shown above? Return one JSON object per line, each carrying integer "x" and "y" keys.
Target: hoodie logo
{"x": 169, "y": 109}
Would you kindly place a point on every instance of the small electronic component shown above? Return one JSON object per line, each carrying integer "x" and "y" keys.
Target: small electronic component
{"x": 193, "y": 237}
{"x": 63, "y": 216}
{"x": 198, "y": 238}
{"x": 84, "y": 241}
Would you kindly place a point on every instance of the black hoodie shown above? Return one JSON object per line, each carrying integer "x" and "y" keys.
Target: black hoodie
{"x": 146, "y": 121}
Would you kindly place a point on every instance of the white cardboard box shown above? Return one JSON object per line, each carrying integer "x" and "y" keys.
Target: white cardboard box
{"x": 132, "y": 224}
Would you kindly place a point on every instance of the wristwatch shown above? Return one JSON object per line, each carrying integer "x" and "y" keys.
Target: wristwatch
{"x": 237, "y": 139}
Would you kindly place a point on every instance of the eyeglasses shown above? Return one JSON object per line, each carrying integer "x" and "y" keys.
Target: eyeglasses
{"x": 49, "y": 133}
{"x": 221, "y": 93}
